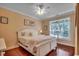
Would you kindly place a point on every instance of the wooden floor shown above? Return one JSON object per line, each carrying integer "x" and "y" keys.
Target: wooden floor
{"x": 61, "y": 50}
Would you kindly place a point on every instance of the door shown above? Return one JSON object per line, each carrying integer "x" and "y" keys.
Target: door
{"x": 77, "y": 30}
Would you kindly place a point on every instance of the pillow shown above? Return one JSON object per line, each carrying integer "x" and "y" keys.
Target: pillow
{"x": 22, "y": 33}
{"x": 26, "y": 33}
{"x": 30, "y": 34}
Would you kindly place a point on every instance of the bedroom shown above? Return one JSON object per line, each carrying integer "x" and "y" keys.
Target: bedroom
{"x": 40, "y": 21}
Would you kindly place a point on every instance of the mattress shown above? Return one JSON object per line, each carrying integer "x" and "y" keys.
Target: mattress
{"x": 33, "y": 40}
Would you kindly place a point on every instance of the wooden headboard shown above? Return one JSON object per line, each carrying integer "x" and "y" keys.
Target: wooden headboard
{"x": 27, "y": 32}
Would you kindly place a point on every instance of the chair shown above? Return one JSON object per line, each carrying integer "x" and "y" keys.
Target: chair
{"x": 2, "y": 47}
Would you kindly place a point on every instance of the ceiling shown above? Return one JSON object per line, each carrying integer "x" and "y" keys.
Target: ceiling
{"x": 28, "y": 9}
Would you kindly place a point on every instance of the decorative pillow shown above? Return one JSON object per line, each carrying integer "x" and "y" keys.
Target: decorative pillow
{"x": 30, "y": 34}
{"x": 22, "y": 33}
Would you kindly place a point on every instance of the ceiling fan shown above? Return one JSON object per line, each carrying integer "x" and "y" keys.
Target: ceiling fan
{"x": 41, "y": 9}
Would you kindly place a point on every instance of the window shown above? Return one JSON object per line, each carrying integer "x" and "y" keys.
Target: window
{"x": 60, "y": 28}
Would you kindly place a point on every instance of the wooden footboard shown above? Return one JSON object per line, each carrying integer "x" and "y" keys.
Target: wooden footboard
{"x": 40, "y": 49}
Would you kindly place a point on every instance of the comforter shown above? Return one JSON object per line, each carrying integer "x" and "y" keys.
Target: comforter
{"x": 33, "y": 40}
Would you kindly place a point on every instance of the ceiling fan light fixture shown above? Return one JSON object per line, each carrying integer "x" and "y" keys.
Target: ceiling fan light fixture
{"x": 40, "y": 11}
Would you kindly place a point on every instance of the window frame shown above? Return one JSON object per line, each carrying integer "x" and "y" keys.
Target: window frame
{"x": 58, "y": 36}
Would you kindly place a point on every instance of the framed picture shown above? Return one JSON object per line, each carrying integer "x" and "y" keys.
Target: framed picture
{"x": 28, "y": 22}
{"x": 3, "y": 20}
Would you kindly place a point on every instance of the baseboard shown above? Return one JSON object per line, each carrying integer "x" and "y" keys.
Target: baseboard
{"x": 65, "y": 44}
{"x": 12, "y": 47}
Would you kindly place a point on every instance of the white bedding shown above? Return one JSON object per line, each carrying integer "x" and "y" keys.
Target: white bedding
{"x": 35, "y": 43}
{"x": 33, "y": 40}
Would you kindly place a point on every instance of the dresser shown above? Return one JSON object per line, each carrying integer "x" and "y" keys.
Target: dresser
{"x": 2, "y": 47}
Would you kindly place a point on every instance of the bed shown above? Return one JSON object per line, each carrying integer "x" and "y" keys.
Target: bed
{"x": 36, "y": 44}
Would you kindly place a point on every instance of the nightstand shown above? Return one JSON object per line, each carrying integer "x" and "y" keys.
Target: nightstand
{"x": 2, "y": 47}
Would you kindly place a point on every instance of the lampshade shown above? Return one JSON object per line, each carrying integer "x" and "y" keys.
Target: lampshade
{"x": 40, "y": 31}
